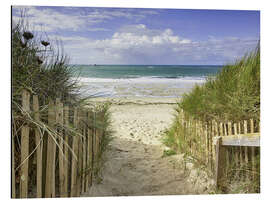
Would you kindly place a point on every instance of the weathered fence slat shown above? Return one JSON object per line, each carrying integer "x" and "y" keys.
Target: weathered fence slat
{"x": 240, "y": 150}
{"x": 215, "y": 133}
{"x": 90, "y": 147}
{"x": 66, "y": 152}
{"x": 39, "y": 145}
{"x": 206, "y": 144}
{"x": 84, "y": 151}
{"x": 60, "y": 122}
{"x": 202, "y": 144}
{"x": 237, "y": 155}
{"x": 253, "y": 167}
{"x": 212, "y": 134}
{"x": 13, "y": 187}
{"x": 79, "y": 177}
{"x": 226, "y": 149}
{"x": 245, "y": 148}
{"x": 75, "y": 144}
{"x": 229, "y": 128}
{"x": 221, "y": 129}
{"x": 24, "y": 147}
{"x": 74, "y": 159}
{"x": 51, "y": 154}
{"x": 96, "y": 138}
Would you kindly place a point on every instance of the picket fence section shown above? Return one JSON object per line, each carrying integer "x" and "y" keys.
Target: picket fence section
{"x": 64, "y": 161}
{"x": 200, "y": 136}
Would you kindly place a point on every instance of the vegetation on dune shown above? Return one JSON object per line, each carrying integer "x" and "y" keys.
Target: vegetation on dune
{"x": 233, "y": 95}
{"x": 40, "y": 66}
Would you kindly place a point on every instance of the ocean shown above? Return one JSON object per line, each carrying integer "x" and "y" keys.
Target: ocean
{"x": 141, "y": 80}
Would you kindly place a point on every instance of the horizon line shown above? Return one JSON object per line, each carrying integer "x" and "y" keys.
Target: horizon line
{"x": 150, "y": 64}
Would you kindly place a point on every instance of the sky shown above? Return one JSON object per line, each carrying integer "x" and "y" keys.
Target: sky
{"x": 146, "y": 36}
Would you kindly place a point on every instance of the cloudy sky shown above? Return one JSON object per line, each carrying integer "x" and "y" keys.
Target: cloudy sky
{"x": 147, "y": 36}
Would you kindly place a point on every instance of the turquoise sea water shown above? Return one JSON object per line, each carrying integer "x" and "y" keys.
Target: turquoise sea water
{"x": 141, "y": 80}
{"x": 153, "y": 71}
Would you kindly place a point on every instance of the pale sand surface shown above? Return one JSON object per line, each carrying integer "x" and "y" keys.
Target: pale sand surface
{"x": 134, "y": 161}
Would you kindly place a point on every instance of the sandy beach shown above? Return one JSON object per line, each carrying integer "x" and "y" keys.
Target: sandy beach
{"x": 135, "y": 164}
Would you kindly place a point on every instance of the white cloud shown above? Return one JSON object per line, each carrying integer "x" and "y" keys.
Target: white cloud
{"x": 139, "y": 37}
{"x": 134, "y": 44}
{"x": 97, "y": 29}
{"x": 51, "y": 19}
{"x": 125, "y": 46}
{"x": 138, "y": 44}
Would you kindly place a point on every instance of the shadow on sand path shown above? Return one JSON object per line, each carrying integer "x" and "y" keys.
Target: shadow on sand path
{"x": 134, "y": 164}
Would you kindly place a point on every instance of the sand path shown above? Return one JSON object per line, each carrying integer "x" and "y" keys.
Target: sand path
{"x": 134, "y": 161}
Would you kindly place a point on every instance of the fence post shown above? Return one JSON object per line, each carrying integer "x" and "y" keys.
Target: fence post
{"x": 227, "y": 149}
{"x": 66, "y": 162}
{"x": 51, "y": 154}
{"x": 39, "y": 144}
{"x": 74, "y": 165}
{"x": 220, "y": 161}
{"x": 24, "y": 147}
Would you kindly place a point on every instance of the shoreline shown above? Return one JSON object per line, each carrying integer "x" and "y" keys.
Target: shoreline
{"x": 137, "y": 88}
{"x": 136, "y": 100}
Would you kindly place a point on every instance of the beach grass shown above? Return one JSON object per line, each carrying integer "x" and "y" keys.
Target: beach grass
{"x": 40, "y": 66}
{"x": 232, "y": 95}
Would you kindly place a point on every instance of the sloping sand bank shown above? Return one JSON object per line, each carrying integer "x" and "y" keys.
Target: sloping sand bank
{"x": 135, "y": 164}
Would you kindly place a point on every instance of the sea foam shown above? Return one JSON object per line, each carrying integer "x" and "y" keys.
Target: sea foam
{"x": 143, "y": 80}
{"x": 138, "y": 87}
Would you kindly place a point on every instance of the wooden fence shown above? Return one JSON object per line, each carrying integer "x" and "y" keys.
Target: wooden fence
{"x": 199, "y": 143}
{"x": 246, "y": 140}
{"x": 55, "y": 153}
